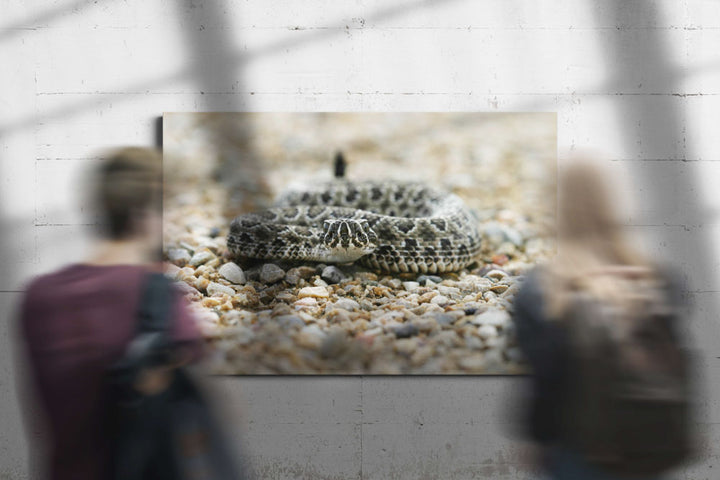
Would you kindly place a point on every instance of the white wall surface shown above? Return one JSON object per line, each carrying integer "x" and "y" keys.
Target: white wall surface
{"x": 638, "y": 82}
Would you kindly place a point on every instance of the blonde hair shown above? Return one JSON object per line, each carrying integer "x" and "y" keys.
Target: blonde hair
{"x": 128, "y": 183}
{"x": 590, "y": 242}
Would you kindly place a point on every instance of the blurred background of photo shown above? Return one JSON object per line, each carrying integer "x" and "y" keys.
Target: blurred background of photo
{"x": 502, "y": 165}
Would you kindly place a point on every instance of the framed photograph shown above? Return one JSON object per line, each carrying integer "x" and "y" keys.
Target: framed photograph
{"x": 358, "y": 243}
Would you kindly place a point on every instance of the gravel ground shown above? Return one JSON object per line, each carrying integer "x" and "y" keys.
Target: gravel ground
{"x": 275, "y": 318}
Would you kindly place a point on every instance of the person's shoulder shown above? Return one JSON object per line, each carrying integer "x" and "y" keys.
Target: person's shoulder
{"x": 40, "y": 283}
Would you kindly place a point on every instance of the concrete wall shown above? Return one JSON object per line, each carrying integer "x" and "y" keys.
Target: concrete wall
{"x": 637, "y": 81}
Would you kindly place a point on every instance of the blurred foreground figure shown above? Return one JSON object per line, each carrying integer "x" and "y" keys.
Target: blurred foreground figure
{"x": 78, "y": 323}
{"x": 610, "y": 392}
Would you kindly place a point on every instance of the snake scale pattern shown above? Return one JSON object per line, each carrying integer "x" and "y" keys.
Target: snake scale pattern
{"x": 386, "y": 226}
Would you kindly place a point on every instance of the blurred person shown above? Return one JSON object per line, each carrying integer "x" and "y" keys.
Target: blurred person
{"x": 609, "y": 392}
{"x": 76, "y": 322}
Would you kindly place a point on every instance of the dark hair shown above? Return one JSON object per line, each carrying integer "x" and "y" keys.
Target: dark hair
{"x": 129, "y": 182}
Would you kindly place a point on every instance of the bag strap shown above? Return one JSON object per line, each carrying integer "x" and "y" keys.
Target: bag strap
{"x": 155, "y": 304}
{"x": 151, "y": 342}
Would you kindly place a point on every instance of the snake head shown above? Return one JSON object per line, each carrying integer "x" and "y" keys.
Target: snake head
{"x": 348, "y": 239}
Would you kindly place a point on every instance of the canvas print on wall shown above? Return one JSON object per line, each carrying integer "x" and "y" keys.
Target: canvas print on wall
{"x": 358, "y": 243}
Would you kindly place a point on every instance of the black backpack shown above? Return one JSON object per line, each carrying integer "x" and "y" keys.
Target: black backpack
{"x": 172, "y": 435}
{"x": 628, "y": 405}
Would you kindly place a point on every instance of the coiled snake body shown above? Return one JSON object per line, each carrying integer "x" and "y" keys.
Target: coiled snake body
{"x": 393, "y": 227}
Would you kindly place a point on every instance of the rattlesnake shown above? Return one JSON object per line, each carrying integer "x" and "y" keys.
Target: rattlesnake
{"x": 387, "y": 226}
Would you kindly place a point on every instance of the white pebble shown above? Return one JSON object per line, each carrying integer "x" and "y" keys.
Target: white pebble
{"x": 201, "y": 257}
{"x": 307, "y": 302}
{"x": 320, "y": 283}
{"x": 373, "y": 332}
{"x": 440, "y": 300}
{"x": 496, "y": 275}
{"x": 411, "y": 286}
{"x": 487, "y": 331}
{"x": 494, "y": 317}
{"x": 473, "y": 362}
{"x": 215, "y": 288}
{"x": 318, "y": 292}
{"x": 347, "y": 304}
{"x": 178, "y": 256}
{"x": 311, "y": 337}
{"x": 232, "y": 273}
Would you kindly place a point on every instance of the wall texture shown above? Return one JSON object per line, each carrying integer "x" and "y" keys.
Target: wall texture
{"x": 636, "y": 81}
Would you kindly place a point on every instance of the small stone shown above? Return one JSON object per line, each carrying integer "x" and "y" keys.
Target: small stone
{"x": 496, "y": 274}
{"x": 406, "y": 331}
{"x": 474, "y": 362}
{"x": 451, "y": 292}
{"x": 332, "y": 274}
{"x": 493, "y": 356}
{"x": 425, "y": 324}
{"x": 406, "y": 345}
{"x": 319, "y": 282}
{"x": 474, "y": 343}
{"x": 201, "y": 257}
{"x": 366, "y": 276}
{"x": 209, "y": 243}
{"x": 240, "y": 334}
{"x": 231, "y": 318}
{"x": 499, "y": 289}
{"x": 210, "y": 302}
{"x": 334, "y": 344}
{"x": 307, "y": 302}
{"x": 423, "y": 279}
{"x": 311, "y": 337}
{"x": 347, "y": 304}
{"x": 444, "y": 319}
{"x": 232, "y": 273}
{"x": 389, "y": 317}
{"x": 447, "y": 337}
{"x": 294, "y": 275}
{"x": 373, "y": 332}
{"x": 289, "y": 320}
{"x": 493, "y": 317}
{"x": 271, "y": 273}
{"x": 214, "y": 232}
{"x": 411, "y": 286}
{"x": 421, "y": 355}
{"x": 499, "y": 259}
{"x": 440, "y": 300}
{"x": 534, "y": 247}
{"x": 201, "y": 283}
{"x": 317, "y": 292}
{"x": 513, "y": 236}
{"x": 178, "y": 256}
{"x": 214, "y": 288}
{"x": 487, "y": 331}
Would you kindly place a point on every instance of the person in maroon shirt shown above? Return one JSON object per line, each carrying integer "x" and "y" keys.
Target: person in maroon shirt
{"x": 78, "y": 321}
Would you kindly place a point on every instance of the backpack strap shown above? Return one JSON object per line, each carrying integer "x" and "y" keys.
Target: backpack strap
{"x": 151, "y": 343}
{"x": 155, "y": 304}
